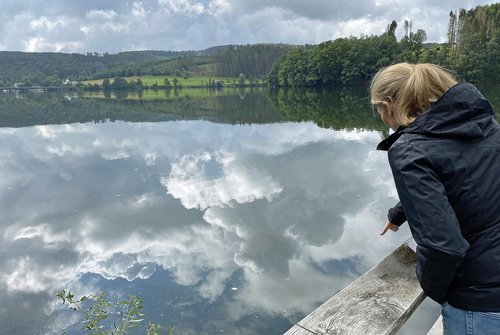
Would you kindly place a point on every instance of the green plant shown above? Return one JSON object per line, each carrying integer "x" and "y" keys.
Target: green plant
{"x": 97, "y": 308}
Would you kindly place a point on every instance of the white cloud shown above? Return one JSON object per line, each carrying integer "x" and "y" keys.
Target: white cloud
{"x": 192, "y": 181}
{"x": 85, "y": 29}
{"x": 183, "y": 7}
{"x": 138, "y": 9}
{"x": 34, "y": 44}
{"x": 44, "y": 23}
{"x": 279, "y": 295}
{"x": 103, "y": 15}
{"x": 218, "y": 7}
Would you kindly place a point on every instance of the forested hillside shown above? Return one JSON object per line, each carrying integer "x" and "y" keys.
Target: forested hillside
{"x": 253, "y": 60}
{"x": 472, "y": 50}
{"x": 48, "y": 69}
{"x": 51, "y": 68}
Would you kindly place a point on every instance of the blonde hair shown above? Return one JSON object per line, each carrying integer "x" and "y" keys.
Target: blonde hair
{"x": 412, "y": 88}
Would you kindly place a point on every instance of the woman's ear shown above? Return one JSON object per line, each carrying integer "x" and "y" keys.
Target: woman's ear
{"x": 389, "y": 107}
{"x": 388, "y": 115}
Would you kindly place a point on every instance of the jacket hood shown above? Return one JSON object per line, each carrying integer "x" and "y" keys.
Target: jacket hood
{"x": 462, "y": 112}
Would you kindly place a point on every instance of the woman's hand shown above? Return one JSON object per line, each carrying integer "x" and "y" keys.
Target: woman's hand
{"x": 388, "y": 225}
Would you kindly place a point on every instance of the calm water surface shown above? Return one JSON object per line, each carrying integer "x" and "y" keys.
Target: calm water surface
{"x": 234, "y": 213}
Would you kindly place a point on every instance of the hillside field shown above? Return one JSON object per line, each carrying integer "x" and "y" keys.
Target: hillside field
{"x": 160, "y": 80}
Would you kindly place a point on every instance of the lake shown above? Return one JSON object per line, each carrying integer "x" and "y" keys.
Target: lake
{"x": 227, "y": 212}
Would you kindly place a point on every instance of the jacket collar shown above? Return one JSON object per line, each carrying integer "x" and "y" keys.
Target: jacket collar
{"x": 389, "y": 140}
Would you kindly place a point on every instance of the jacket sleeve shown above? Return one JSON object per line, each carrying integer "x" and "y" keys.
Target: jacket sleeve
{"x": 396, "y": 215}
{"x": 431, "y": 219}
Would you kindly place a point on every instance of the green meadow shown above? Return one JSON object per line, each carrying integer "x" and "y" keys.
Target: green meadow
{"x": 197, "y": 81}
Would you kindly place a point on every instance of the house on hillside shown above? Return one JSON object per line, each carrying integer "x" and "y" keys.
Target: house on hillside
{"x": 68, "y": 82}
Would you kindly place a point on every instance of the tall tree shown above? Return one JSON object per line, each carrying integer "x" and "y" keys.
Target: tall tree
{"x": 391, "y": 29}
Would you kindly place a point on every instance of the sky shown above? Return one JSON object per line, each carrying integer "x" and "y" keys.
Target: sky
{"x": 112, "y": 26}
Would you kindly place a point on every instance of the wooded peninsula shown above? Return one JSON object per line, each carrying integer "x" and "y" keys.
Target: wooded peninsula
{"x": 472, "y": 50}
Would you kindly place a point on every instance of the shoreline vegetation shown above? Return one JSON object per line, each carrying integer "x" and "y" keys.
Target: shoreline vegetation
{"x": 139, "y": 83}
{"x": 471, "y": 50}
{"x": 148, "y": 82}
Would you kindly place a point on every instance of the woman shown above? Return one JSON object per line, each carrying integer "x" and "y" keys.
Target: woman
{"x": 445, "y": 160}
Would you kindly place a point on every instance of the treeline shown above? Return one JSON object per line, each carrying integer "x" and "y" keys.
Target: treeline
{"x": 473, "y": 47}
{"x": 253, "y": 60}
{"x": 180, "y": 66}
{"x": 343, "y": 61}
{"x": 473, "y": 50}
{"x": 50, "y": 68}
{"x": 121, "y": 84}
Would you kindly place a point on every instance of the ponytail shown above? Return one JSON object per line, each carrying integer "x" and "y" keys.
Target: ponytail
{"x": 412, "y": 88}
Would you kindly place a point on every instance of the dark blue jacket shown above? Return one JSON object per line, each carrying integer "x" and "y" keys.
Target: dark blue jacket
{"x": 446, "y": 167}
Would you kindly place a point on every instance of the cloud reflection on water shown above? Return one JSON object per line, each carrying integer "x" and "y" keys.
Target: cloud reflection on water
{"x": 286, "y": 213}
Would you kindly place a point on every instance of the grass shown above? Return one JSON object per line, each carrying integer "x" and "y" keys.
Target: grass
{"x": 160, "y": 80}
